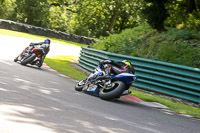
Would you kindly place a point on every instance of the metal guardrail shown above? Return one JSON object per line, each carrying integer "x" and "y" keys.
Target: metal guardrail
{"x": 167, "y": 78}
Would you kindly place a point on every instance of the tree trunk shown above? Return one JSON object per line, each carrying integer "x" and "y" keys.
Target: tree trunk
{"x": 197, "y": 3}
{"x": 113, "y": 18}
{"x": 190, "y": 5}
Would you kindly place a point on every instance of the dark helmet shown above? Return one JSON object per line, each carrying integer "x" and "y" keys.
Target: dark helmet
{"x": 130, "y": 66}
{"x": 47, "y": 41}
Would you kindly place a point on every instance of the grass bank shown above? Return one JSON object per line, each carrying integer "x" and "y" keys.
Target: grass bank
{"x": 62, "y": 65}
{"x": 172, "y": 105}
{"x": 36, "y": 37}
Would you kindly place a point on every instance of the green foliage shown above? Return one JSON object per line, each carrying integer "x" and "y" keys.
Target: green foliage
{"x": 100, "y": 18}
{"x": 123, "y": 43}
{"x": 6, "y": 9}
{"x": 86, "y": 17}
{"x": 185, "y": 34}
{"x": 183, "y": 45}
{"x": 193, "y": 20}
{"x": 179, "y": 46}
{"x": 33, "y": 12}
{"x": 179, "y": 16}
{"x": 183, "y": 54}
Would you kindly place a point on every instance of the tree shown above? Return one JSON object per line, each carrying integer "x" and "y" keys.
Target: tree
{"x": 100, "y": 18}
{"x": 156, "y": 13}
{"x": 5, "y": 8}
{"x": 192, "y": 5}
{"x": 34, "y": 12}
{"x": 92, "y": 18}
{"x": 2, "y": 1}
{"x": 183, "y": 14}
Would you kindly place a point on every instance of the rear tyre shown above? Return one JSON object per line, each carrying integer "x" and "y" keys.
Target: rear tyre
{"x": 28, "y": 59}
{"x": 113, "y": 92}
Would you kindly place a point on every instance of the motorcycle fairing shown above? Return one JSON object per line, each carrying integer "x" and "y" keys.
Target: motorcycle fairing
{"x": 127, "y": 78}
{"x": 91, "y": 89}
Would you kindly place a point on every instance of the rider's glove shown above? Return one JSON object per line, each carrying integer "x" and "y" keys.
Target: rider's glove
{"x": 104, "y": 62}
{"x": 107, "y": 61}
{"x": 31, "y": 44}
{"x": 101, "y": 66}
{"x": 101, "y": 63}
{"x": 40, "y": 43}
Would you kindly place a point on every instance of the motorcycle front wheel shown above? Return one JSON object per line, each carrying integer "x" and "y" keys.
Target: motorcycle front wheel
{"x": 112, "y": 92}
{"x": 79, "y": 85}
{"x": 28, "y": 59}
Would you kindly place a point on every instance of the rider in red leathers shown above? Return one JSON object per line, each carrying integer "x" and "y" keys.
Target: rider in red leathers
{"x": 45, "y": 47}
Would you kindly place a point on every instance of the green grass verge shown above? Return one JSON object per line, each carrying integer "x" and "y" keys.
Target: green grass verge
{"x": 36, "y": 37}
{"x": 61, "y": 64}
{"x": 172, "y": 105}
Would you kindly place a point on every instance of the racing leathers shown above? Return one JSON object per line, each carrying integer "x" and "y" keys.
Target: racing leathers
{"x": 113, "y": 67}
{"x": 44, "y": 49}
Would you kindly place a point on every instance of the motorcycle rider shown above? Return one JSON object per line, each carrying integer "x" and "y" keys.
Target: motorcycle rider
{"x": 113, "y": 67}
{"x": 45, "y": 47}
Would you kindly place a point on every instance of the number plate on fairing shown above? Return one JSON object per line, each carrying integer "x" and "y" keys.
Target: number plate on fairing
{"x": 92, "y": 87}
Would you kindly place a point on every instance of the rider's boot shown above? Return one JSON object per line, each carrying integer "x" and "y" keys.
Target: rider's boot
{"x": 39, "y": 64}
{"x": 36, "y": 62}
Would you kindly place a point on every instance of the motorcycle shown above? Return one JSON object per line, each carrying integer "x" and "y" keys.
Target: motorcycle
{"x": 30, "y": 55}
{"x": 106, "y": 87}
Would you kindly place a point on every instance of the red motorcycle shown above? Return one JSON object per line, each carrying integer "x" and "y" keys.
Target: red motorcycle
{"x": 33, "y": 55}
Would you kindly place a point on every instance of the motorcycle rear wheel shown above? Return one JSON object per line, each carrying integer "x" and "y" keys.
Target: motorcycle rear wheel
{"x": 28, "y": 59}
{"x": 113, "y": 92}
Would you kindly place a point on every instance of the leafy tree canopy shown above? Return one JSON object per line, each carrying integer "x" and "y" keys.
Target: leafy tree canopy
{"x": 95, "y": 18}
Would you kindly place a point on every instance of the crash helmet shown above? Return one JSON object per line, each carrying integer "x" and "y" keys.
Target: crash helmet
{"x": 47, "y": 41}
{"x": 126, "y": 62}
{"x": 131, "y": 67}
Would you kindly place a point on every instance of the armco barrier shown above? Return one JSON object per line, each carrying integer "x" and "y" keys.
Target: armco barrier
{"x": 170, "y": 79}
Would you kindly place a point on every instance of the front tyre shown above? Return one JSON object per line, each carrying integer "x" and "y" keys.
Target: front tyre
{"x": 16, "y": 59}
{"x": 28, "y": 59}
{"x": 113, "y": 92}
{"x": 79, "y": 85}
